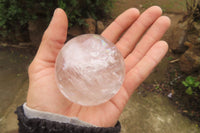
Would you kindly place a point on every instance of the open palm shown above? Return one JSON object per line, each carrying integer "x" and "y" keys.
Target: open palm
{"x": 138, "y": 39}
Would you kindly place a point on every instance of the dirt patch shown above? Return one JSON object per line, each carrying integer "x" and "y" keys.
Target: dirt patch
{"x": 168, "y": 6}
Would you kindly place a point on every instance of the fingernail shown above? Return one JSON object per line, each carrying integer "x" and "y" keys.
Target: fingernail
{"x": 55, "y": 11}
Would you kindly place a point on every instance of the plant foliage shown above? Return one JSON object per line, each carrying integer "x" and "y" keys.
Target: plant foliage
{"x": 79, "y": 9}
{"x": 15, "y": 14}
{"x": 193, "y": 10}
{"x": 192, "y": 85}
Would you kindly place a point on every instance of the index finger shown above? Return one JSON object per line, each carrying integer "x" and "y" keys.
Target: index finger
{"x": 120, "y": 24}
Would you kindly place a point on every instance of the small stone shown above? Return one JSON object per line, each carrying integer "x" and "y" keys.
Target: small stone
{"x": 177, "y": 40}
{"x": 90, "y": 26}
{"x": 100, "y": 27}
{"x": 89, "y": 70}
{"x": 190, "y": 60}
{"x": 170, "y": 95}
{"x": 75, "y": 31}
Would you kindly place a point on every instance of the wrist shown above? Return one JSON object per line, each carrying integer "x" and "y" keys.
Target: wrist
{"x": 34, "y": 113}
{"x": 35, "y": 125}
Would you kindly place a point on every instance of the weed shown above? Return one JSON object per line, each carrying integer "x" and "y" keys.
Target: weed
{"x": 191, "y": 84}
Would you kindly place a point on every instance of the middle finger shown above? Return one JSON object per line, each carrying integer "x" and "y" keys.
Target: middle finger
{"x": 134, "y": 33}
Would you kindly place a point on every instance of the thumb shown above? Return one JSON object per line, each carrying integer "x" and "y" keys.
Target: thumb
{"x": 54, "y": 38}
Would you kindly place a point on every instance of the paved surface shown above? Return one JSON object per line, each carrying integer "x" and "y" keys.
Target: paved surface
{"x": 13, "y": 85}
{"x": 154, "y": 114}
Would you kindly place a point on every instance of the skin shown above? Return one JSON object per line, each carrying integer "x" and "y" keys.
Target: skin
{"x": 138, "y": 39}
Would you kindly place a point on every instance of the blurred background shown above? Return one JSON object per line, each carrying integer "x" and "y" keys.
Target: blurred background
{"x": 169, "y": 99}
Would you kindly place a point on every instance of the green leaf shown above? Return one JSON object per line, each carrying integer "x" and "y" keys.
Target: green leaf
{"x": 196, "y": 84}
{"x": 73, "y": 3}
{"x": 189, "y": 91}
{"x": 185, "y": 83}
{"x": 190, "y": 80}
{"x": 170, "y": 58}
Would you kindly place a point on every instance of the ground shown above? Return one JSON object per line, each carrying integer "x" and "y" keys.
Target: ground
{"x": 146, "y": 112}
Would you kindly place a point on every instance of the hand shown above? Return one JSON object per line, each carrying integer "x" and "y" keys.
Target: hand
{"x": 140, "y": 46}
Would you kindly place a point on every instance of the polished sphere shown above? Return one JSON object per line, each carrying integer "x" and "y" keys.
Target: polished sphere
{"x": 89, "y": 70}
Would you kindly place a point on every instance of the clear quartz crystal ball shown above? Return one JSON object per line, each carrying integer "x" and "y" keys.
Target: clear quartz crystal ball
{"x": 89, "y": 70}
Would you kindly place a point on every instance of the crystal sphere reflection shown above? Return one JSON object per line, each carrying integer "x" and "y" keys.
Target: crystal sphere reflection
{"x": 89, "y": 70}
